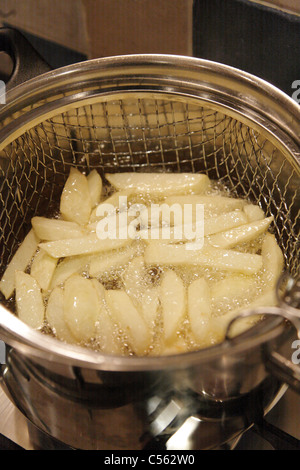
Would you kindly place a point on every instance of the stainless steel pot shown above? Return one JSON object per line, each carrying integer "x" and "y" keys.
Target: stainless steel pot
{"x": 134, "y": 113}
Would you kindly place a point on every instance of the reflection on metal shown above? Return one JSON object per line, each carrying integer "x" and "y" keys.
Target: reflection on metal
{"x": 2, "y": 92}
{"x": 182, "y": 439}
{"x": 2, "y": 352}
{"x": 165, "y": 418}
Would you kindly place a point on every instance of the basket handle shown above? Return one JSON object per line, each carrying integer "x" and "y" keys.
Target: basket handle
{"x": 288, "y": 295}
{"x": 27, "y": 61}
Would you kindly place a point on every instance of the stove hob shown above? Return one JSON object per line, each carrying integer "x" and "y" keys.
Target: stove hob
{"x": 280, "y": 430}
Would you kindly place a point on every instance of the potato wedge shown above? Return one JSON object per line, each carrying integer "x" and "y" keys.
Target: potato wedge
{"x": 191, "y": 229}
{"x": 199, "y": 309}
{"x": 129, "y": 319}
{"x": 101, "y": 264}
{"x": 242, "y": 234}
{"x": 157, "y": 215}
{"x": 82, "y": 246}
{"x": 234, "y": 287}
{"x": 81, "y": 307}
{"x": 224, "y": 222}
{"x": 254, "y": 213}
{"x": 118, "y": 200}
{"x": 75, "y": 202}
{"x": 150, "y": 306}
{"x": 115, "y": 226}
{"x": 175, "y": 234}
{"x": 19, "y": 262}
{"x": 55, "y": 316}
{"x": 29, "y": 300}
{"x": 210, "y": 257}
{"x": 106, "y": 333}
{"x": 95, "y": 187}
{"x": 164, "y": 184}
{"x": 212, "y": 204}
{"x": 42, "y": 269}
{"x": 273, "y": 261}
{"x": 174, "y": 303}
{"x": 134, "y": 279}
{"x": 67, "y": 267}
{"x": 55, "y": 229}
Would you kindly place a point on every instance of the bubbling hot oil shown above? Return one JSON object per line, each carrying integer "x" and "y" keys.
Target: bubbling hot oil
{"x": 185, "y": 341}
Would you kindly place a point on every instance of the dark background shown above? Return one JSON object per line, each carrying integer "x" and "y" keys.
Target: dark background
{"x": 257, "y": 39}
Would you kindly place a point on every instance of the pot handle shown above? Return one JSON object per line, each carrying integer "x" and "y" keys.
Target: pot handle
{"x": 288, "y": 296}
{"x": 284, "y": 369}
{"x": 27, "y": 61}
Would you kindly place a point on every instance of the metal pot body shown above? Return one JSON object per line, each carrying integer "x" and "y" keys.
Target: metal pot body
{"x": 135, "y": 113}
{"x": 203, "y": 405}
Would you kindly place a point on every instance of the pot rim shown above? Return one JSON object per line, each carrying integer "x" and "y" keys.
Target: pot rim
{"x": 269, "y": 101}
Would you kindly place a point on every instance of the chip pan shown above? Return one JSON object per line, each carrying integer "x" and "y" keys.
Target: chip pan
{"x": 149, "y": 113}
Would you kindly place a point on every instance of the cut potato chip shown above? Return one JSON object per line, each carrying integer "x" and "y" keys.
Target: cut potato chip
{"x": 134, "y": 279}
{"x": 117, "y": 201}
{"x": 19, "y": 262}
{"x": 213, "y": 204}
{"x": 103, "y": 264}
{"x": 164, "y": 184}
{"x": 173, "y": 225}
{"x": 150, "y": 306}
{"x": 234, "y": 287}
{"x": 55, "y": 229}
{"x": 254, "y": 213}
{"x": 169, "y": 235}
{"x": 173, "y": 302}
{"x": 129, "y": 319}
{"x": 224, "y": 222}
{"x": 55, "y": 316}
{"x": 29, "y": 300}
{"x": 199, "y": 229}
{"x": 82, "y": 246}
{"x": 191, "y": 230}
{"x": 42, "y": 269}
{"x": 75, "y": 202}
{"x": 95, "y": 187}
{"x": 210, "y": 257}
{"x": 199, "y": 309}
{"x": 67, "y": 267}
{"x": 106, "y": 333}
{"x": 81, "y": 307}
{"x": 115, "y": 226}
{"x": 242, "y": 234}
{"x": 273, "y": 261}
